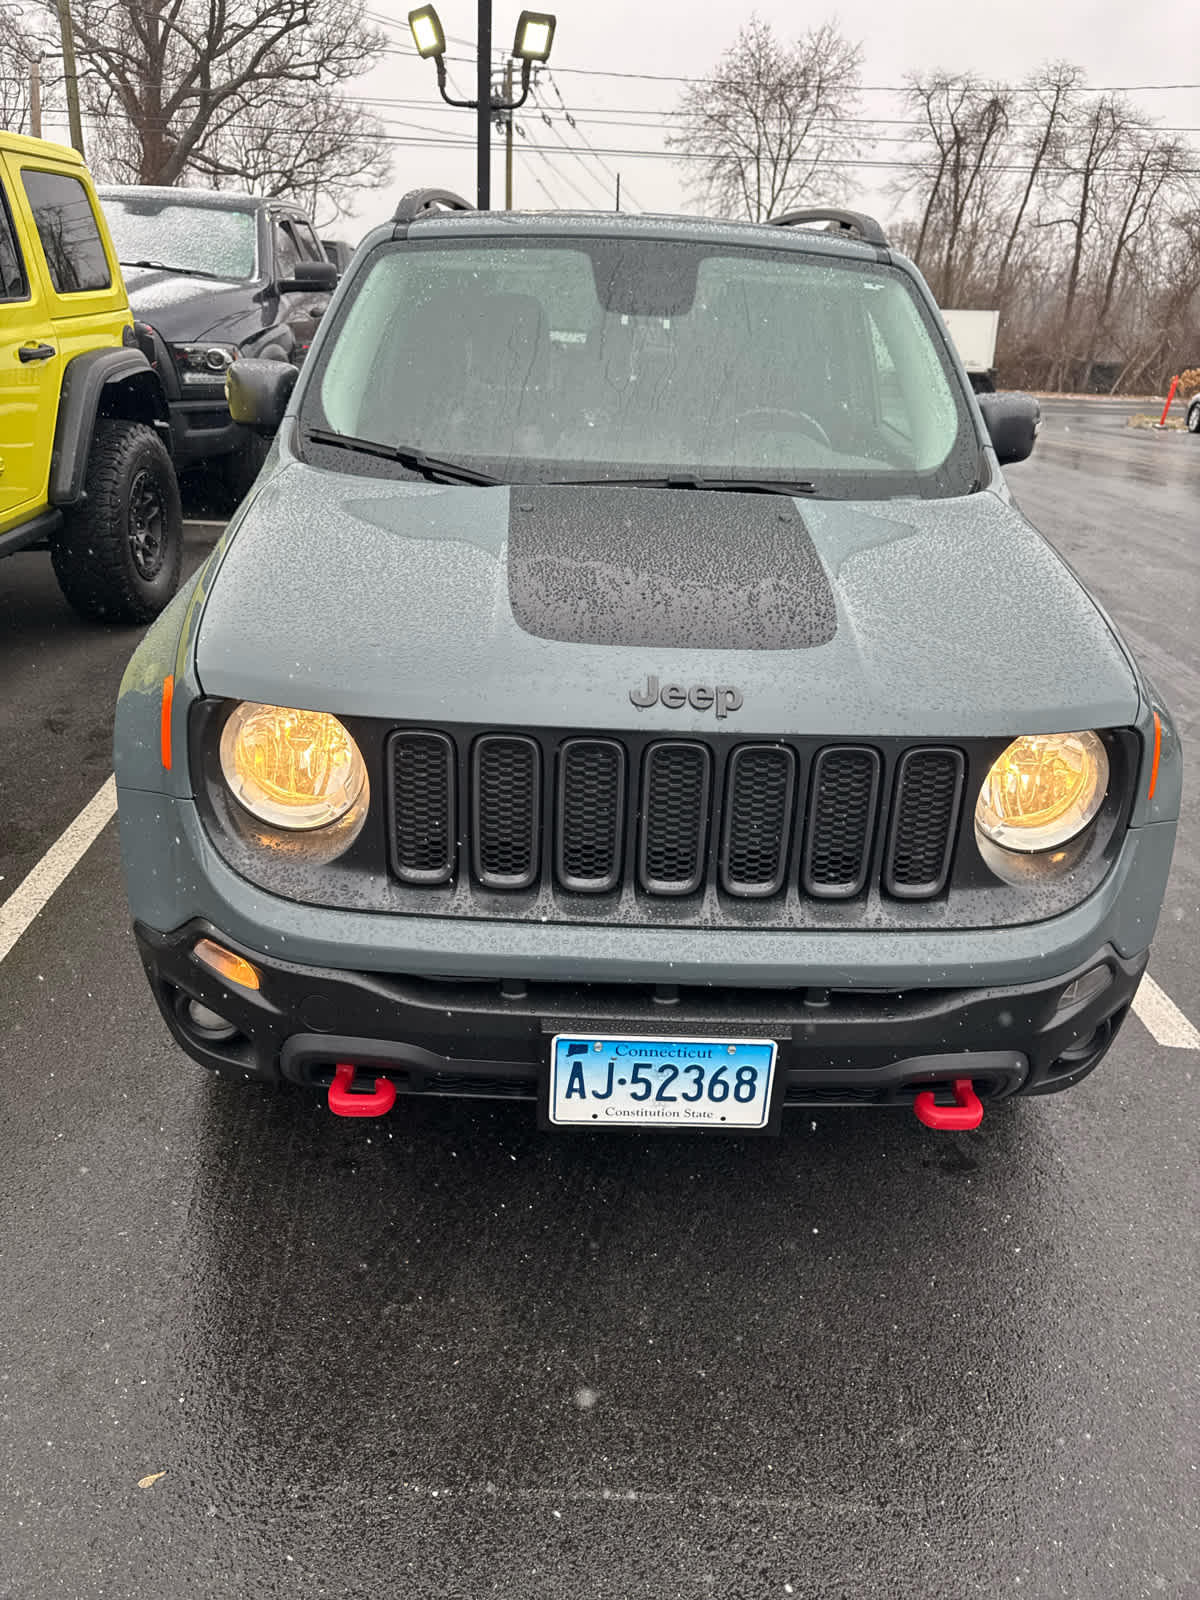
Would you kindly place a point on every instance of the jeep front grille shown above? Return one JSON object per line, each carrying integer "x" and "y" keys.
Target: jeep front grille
{"x": 559, "y": 821}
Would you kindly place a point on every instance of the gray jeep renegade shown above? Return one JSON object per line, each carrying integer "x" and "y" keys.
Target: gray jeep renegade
{"x": 631, "y": 687}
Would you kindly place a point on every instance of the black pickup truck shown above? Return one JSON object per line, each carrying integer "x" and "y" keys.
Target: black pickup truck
{"x": 212, "y": 277}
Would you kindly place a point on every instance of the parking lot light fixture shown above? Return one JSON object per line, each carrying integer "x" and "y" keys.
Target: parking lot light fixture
{"x": 428, "y": 34}
{"x": 535, "y": 36}
{"x": 531, "y": 46}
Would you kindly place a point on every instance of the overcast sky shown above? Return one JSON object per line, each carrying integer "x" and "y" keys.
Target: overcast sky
{"x": 1116, "y": 43}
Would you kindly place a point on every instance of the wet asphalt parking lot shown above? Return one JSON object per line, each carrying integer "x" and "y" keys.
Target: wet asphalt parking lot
{"x": 247, "y": 1349}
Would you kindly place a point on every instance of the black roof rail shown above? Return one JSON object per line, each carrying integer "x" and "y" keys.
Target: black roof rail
{"x": 850, "y": 222}
{"x": 419, "y": 201}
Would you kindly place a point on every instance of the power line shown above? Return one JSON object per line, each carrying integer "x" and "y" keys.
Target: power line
{"x": 879, "y": 88}
{"x": 544, "y": 152}
{"x": 574, "y": 124}
{"x": 450, "y": 142}
{"x": 553, "y": 126}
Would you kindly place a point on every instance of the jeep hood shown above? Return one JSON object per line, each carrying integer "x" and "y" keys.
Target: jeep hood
{"x": 413, "y": 600}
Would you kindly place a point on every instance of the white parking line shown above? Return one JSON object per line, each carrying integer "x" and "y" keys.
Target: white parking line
{"x": 28, "y": 898}
{"x": 1159, "y": 1013}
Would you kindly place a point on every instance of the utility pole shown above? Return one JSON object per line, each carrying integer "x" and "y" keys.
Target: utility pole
{"x": 483, "y": 107}
{"x": 35, "y": 98}
{"x": 618, "y": 191}
{"x": 70, "y": 75}
{"x": 508, "y": 137}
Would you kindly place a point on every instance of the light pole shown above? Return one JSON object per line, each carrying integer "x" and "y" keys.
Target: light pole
{"x": 534, "y": 37}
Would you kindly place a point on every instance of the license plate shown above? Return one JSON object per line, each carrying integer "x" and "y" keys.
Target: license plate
{"x": 672, "y": 1083}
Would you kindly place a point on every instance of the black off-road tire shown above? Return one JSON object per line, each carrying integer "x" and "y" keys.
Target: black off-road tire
{"x": 118, "y": 556}
{"x": 1193, "y": 417}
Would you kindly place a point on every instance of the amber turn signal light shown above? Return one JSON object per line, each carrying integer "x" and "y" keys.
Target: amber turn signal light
{"x": 233, "y": 968}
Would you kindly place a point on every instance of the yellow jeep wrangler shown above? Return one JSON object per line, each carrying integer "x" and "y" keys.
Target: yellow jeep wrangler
{"x": 84, "y": 470}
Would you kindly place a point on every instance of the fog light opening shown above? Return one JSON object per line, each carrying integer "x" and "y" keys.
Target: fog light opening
{"x": 210, "y": 1025}
{"x": 1085, "y": 1051}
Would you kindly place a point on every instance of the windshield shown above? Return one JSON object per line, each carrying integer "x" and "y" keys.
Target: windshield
{"x": 548, "y": 360}
{"x": 187, "y": 238}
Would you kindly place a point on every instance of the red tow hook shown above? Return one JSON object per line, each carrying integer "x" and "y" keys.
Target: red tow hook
{"x": 345, "y": 1102}
{"x": 966, "y": 1112}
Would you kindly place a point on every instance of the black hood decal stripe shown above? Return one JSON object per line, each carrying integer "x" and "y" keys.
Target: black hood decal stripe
{"x": 666, "y": 568}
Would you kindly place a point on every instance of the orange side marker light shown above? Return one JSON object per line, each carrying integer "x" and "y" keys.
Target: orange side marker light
{"x": 1157, "y": 753}
{"x": 233, "y": 968}
{"x": 168, "y": 695}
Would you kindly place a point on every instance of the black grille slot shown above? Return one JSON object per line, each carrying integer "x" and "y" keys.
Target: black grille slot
{"x": 423, "y": 807}
{"x": 506, "y": 807}
{"x": 759, "y": 793}
{"x": 591, "y": 815}
{"x": 924, "y": 818}
{"x": 676, "y": 781}
{"x": 841, "y": 822}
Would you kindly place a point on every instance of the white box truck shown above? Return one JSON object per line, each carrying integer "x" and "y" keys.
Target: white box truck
{"x": 974, "y": 335}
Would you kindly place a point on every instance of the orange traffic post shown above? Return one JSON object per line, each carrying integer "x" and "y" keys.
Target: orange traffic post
{"x": 1162, "y": 421}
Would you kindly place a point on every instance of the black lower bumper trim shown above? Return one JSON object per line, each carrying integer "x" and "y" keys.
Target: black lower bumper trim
{"x": 309, "y": 1058}
{"x": 491, "y": 1037}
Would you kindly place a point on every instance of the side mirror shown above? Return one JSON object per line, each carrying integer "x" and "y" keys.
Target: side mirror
{"x": 313, "y": 277}
{"x": 258, "y": 393}
{"x": 1012, "y": 422}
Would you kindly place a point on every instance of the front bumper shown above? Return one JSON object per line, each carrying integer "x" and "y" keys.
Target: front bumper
{"x": 490, "y": 1036}
{"x": 201, "y": 429}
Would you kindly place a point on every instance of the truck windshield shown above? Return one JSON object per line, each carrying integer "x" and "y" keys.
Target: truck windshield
{"x": 180, "y": 237}
{"x": 585, "y": 360}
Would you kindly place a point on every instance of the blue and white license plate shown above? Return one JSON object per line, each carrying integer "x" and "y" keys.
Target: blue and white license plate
{"x": 674, "y": 1083}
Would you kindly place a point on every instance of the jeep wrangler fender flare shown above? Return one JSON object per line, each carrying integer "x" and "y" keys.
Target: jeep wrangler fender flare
{"x": 110, "y": 383}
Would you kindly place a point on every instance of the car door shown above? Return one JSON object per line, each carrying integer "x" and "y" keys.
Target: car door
{"x": 306, "y": 308}
{"x": 30, "y": 368}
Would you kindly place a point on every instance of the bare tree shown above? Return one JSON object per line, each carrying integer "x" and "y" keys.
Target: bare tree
{"x": 961, "y": 145}
{"x": 1052, "y": 91}
{"x": 1068, "y": 211}
{"x": 308, "y": 143}
{"x": 770, "y": 124}
{"x": 1155, "y": 167}
{"x": 19, "y": 48}
{"x": 1098, "y": 138}
{"x": 179, "y": 86}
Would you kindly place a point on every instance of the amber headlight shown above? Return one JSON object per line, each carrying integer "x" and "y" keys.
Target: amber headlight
{"x": 292, "y": 769}
{"x": 1043, "y": 790}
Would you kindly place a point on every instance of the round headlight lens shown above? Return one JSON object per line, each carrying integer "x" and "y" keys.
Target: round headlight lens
{"x": 293, "y": 769}
{"x": 1043, "y": 790}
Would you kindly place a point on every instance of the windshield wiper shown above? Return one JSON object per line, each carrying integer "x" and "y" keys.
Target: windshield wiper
{"x": 431, "y": 467}
{"x": 680, "y": 480}
{"x": 165, "y": 266}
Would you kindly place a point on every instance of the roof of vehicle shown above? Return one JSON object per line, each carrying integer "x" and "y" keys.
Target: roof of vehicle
{"x": 48, "y": 149}
{"x": 214, "y": 199}
{"x": 450, "y": 224}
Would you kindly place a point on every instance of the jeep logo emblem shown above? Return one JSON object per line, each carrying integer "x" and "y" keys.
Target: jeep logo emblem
{"x": 723, "y": 698}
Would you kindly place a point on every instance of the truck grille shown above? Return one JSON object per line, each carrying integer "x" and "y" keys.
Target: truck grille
{"x": 647, "y": 821}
